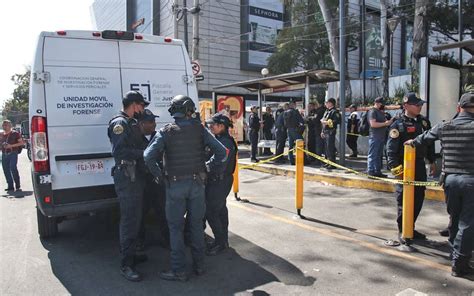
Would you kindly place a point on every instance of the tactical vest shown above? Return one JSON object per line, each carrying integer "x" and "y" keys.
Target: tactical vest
{"x": 184, "y": 149}
{"x": 229, "y": 170}
{"x": 458, "y": 142}
{"x": 289, "y": 118}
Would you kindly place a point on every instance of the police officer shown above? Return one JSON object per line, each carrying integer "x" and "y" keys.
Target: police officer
{"x": 128, "y": 173}
{"x": 154, "y": 194}
{"x": 268, "y": 123}
{"x": 310, "y": 118}
{"x": 254, "y": 128}
{"x": 183, "y": 144}
{"x": 281, "y": 133}
{"x": 293, "y": 122}
{"x": 457, "y": 178}
{"x": 406, "y": 127}
{"x": 320, "y": 143}
{"x": 330, "y": 120}
{"x": 219, "y": 185}
{"x": 353, "y": 130}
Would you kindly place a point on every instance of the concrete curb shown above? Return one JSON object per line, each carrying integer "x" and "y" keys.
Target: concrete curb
{"x": 340, "y": 179}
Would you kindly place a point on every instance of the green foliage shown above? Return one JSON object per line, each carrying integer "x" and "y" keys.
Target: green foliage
{"x": 16, "y": 108}
{"x": 304, "y": 44}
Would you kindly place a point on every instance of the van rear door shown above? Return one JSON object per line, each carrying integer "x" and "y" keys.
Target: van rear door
{"x": 159, "y": 71}
{"x": 83, "y": 94}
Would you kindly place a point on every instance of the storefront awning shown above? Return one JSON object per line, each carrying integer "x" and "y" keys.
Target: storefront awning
{"x": 286, "y": 82}
{"x": 467, "y": 45}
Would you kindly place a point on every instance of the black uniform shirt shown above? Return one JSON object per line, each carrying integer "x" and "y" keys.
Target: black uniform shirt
{"x": 126, "y": 138}
{"x": 331, "y": 114}
{"x": 228, "y": 142}
{"x": 254, "y": 121}
{"x": 403, "y": 129}
{"x": 268, "y": 121}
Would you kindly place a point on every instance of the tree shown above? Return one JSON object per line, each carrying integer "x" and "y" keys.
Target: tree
{"x": 385, "y": 44}
{"x": 16, "y": 108}
{"x": 304, "y": 44}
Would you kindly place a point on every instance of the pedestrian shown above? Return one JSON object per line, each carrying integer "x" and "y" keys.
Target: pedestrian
{"x": 330, "y": 120}
{"x": 281, "y": 133}
{"x": 353, "y": 130}
{"x": 408, "y": 126}
{"x": 254, "y": 128}
{"x": 129, "y": 175}
{"x": 293, "y": 122}
{"x": 183, "y": 144}
{"x": 377, "y": 135}
{"x": 457, "y": 178}
{"x": 154, "y": 194}
{"x": 310, "y": 123}
{"x": 268, "y": 123}
{"x": 12, "y": 144}
{"x": 219, "y": 185}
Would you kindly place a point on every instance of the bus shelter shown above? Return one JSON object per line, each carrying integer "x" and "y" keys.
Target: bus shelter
{"x": 282, "y": 83}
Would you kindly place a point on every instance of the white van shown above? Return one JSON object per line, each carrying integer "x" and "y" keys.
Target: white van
{"x": 77, "y": 84}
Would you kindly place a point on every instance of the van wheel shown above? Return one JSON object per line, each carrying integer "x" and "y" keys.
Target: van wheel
{"x": 47, "y": 226}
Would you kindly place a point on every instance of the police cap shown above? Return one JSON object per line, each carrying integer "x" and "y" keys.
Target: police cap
{"x": 332, "y": 101}
{"x": 467, "y": 100}
{"x": 134, "y": 97}
{"x": 220, "y": 119}
{"x": 148, "y": 115}
{"x": 379, "y": 100}
{"x": 411, "y": 99}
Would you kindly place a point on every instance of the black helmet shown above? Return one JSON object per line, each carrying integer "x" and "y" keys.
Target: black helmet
{"x": 181, "y": 105}
{"x": 134, "y": 97}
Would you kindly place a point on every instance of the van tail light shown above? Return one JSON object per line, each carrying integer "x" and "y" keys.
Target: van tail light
{"x": 39, "y": 144}
{"x": 168, "y": 39}
{"x": 61, "y": 33}
{"x": 138, "y": 37}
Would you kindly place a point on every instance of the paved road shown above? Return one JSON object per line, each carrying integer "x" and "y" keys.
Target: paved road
{"x": 338, "y": 249}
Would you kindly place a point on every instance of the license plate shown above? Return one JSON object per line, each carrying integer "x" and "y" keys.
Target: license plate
{"x": 90, "y": 167}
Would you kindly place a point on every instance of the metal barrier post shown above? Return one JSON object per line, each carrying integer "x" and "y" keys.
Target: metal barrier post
{"x": 299, "y": 176}
{"x": 408, "y": 193}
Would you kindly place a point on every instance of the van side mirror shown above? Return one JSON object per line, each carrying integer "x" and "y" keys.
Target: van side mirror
{"x": 25, "y": 129}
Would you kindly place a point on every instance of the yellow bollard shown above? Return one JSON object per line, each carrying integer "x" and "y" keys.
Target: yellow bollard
{"x": 408, "y": 193}
{"x": 299, "y": 176}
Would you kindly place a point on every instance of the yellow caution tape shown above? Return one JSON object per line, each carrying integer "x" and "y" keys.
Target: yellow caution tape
{"x": 264, "y": 161}
{"x": 393, "y": 181}
{"x": 358, "y": 135}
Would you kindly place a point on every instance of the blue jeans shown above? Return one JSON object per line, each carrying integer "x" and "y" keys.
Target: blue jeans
{"x": 374, "y": 159}
{"x": 185, "y": 196}
{"x": 458, "y": 190}
{"x": 9, "y": 163}
{"x": 293, "y": 135}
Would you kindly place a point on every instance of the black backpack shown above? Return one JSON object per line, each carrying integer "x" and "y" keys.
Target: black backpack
{"x": 364, "y": 125}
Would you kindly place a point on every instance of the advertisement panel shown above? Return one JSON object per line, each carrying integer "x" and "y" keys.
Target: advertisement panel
{"x": 262, "y": 20}
{"x": 373, "y": 42}
{"x": 233, "y": 107}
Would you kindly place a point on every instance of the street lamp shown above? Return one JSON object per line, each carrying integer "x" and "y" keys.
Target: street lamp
{"x": 392, "y": 24}
{"x": 264, "y": 72}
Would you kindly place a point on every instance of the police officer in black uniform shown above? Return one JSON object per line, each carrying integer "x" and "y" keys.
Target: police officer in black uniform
{"x": 154, "y": 194}
{"x": 293, "y": 122}
{"x": 219, "y": 185}
{"x": 268, "y": 123}
{"x": 254, "y": 128}
{"x": 310, "y": 122}
{"x": 183, "y": 144}
{"x": 330, "y": 120}
{"x": 353, "y": 130}
{"x": 129, "y": 175}
{"x": 281, "y": 133}
{"x": 406, "y": 127}
{"x": 457, "y": 178}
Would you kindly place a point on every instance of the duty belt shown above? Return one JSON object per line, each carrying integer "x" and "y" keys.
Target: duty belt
{"x": 188, "y": 177}
{"x": 215, "y": 178}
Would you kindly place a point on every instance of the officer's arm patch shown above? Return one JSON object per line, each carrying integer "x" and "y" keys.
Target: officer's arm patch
{"x": 394, "y": 133}
{"x": 118, "y": 129}
{"x": 425, "y": 123}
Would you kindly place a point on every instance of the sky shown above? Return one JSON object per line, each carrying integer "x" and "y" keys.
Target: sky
{"x": 22, "y": 21}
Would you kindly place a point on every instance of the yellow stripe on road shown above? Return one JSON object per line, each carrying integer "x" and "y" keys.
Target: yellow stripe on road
{"x": 331, "y": 233}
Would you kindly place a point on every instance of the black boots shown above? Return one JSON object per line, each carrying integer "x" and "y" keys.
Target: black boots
{"x": 461, "y": 268}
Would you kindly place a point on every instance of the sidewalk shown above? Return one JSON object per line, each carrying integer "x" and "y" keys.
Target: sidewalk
{"x": 334, "y": 176}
